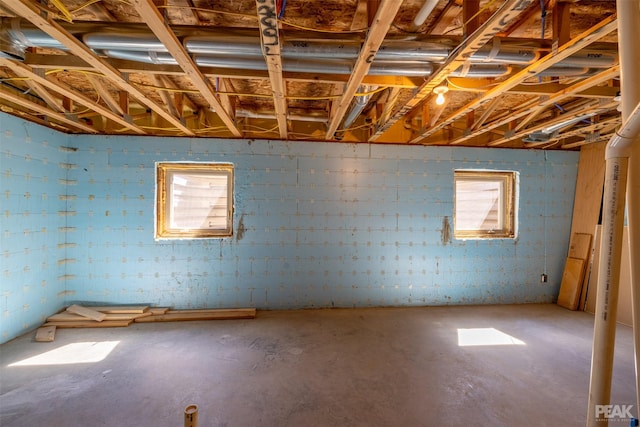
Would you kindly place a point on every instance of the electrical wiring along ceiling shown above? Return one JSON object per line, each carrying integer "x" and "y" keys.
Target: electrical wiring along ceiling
{"x": 515, "y": 73}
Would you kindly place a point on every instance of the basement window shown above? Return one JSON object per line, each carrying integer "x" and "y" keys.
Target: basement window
{"x": 194, "y": 200}
{"x": 484, "y": 204}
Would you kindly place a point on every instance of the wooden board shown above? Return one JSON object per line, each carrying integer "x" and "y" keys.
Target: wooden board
{"x": 91, "y": 324}
{"x": 580, "y": 246}
{"x": 158, "y": 310}
{"x": 569, "y": 288}
{"x": 46, "y": 334}
{"x": 86, "y": 312}
{"x": 69, "y": 317}
{"x": 589, "y": 188}
{"x": 588, "y": 195}
{"x": 183, "y": 315}
{"x": 122, "y": 309}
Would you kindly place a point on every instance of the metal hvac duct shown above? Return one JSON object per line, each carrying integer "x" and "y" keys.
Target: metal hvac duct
{"x": 17, "y": 36}
{"x": 358, "y": 105}
{"x": 326, "y": 66}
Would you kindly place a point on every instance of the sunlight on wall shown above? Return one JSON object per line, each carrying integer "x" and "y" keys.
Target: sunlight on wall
{"x": 485, "y": 336}
{"x": 80, "y": 352}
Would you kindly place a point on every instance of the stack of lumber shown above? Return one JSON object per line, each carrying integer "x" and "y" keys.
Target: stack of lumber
{"x": 77, "y": 316}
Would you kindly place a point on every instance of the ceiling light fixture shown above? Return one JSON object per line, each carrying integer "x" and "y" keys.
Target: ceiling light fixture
{"x": 440, "y": 91}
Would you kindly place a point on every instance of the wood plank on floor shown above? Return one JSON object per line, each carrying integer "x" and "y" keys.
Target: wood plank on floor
{"x": 121, "y": 309}
{"x": 86, "y": 312}
{"x": 213, "y": 314}
{"x": 91, "y": 324}
{"x": 69, "y": 317}
{"x": 46, "y": 334}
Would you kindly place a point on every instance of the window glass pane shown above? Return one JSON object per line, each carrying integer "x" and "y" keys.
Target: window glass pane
{"x": 198, "y": 201}
{"x": 194, "y": 200}
{"x": 478, "y": 205}
{"x": 484, "y": 204}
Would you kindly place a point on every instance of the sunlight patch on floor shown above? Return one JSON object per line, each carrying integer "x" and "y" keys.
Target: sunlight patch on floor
{"x": 80, "y": 352}
{"x": 485, "y": 336}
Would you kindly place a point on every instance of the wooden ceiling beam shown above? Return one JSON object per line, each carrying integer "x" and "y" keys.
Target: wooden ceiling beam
{"x": 152, "y": 17}
{"x": 43, "y": 93}
{"x": 595, "y": 133}
{"x": 167, "y": 82}
{"x": 500, "y": 19}
{"x": 190, "y": 16}
{"x": 585, "y": 130}
{"x": 470, "y": 12}
{"x": 442, "y": 23}
{"x": 559, "y": 96}
{"x": 41, "y": 109}
{"x": 485, "y": 114}
{"x": 391, "y": 100}
{"x": 591, "y": 108}
{"x": 225, "y": 87}
{"x": 165, "y": 96}
{"x": 523, "y": 21}
{"x": 105, "y": 94}
{"x": 41, "y": 19}
{"x": 542, "y": 89}
{"x": 561, "y": 23}
{"x": 596, "y": 32}
{"x": 384, "y": 17}
{"x": 360, "y": 16}
{"x": 51, "y": 83}
{"x": 270, "y": 41}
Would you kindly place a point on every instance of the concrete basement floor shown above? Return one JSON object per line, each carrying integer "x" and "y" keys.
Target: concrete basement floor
{"x": 333, "y": 367}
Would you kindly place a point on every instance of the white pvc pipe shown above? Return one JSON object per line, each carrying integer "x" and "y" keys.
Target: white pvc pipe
{"x": 424, "y": 12}
{"x": 619, "y": 149}
{"x": 607, "y": 293}
{"x": 617, "y": 155}
{"x": 629, "y": 39}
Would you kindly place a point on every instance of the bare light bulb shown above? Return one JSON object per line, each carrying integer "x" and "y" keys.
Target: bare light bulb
{"x": 440, "y": 91}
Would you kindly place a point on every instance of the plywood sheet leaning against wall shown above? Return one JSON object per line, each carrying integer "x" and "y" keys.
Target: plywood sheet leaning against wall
{"x": 588, "y": 197}
{"x": 624, "y": 293}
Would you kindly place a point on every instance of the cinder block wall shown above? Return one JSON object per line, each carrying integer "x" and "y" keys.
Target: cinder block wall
{"x": 317, "y": 225}
{"x": 33, "y": 221}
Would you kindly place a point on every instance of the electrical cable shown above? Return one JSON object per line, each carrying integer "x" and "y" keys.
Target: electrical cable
{"x": 543, "y": 16}
{"x": 283, "y": 6}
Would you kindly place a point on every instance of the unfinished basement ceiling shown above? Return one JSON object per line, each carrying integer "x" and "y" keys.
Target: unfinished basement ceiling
{"x": 518, "y": 73}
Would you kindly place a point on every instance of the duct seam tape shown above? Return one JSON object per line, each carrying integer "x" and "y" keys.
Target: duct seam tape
{"x": 17, "y": 32}
{"x": 494, "y": 50}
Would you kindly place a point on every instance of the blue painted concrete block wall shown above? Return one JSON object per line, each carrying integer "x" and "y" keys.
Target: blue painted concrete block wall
{"x": 316, "y": 225}
{"x": 33, "y": 223}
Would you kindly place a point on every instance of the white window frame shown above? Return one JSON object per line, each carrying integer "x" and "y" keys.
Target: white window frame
{"x": 504, "y": 193}
{"x": 169, "y": 224}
